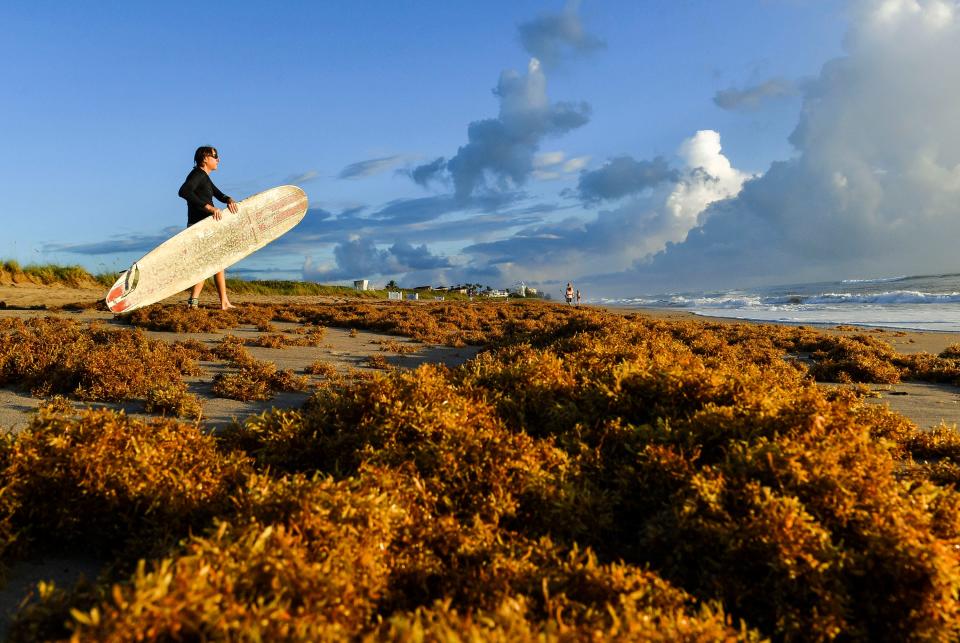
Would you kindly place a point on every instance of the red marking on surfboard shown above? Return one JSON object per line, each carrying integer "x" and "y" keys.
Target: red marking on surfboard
{"x": 118, "y": 307}
{"x": 277, "y": 216}
{"x": 115, "y": 293}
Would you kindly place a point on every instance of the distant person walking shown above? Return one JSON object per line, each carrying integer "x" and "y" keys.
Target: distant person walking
{"x": 578, "y": 296}
{"x": 199, "y": 191}
{"x": 569, "y": 293}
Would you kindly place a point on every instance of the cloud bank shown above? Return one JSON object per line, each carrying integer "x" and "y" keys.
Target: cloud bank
{"x": 872, "y": 189}
{"x": 116, "y": 245}
{"x": 874, "y": 186}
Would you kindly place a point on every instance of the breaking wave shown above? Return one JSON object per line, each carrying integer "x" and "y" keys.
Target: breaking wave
{"x": 733, "y": 301}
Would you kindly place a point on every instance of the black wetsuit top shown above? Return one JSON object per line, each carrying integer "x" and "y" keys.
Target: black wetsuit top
{"x": 199, "y": 191}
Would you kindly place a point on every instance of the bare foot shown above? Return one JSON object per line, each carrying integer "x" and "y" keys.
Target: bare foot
{"x": 226, "y": 306}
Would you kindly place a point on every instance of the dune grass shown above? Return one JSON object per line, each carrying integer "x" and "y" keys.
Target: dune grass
{"x": 277, "y": 287}
{"x": 52, "y": 274}
{"x": 301, "y": 288}
{"x": 78, "y": 277}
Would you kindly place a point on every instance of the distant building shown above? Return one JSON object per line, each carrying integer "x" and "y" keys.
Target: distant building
{"x": 361, "y": 284}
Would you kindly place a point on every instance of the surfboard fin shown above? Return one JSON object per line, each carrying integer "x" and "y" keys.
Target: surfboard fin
{"x": 125, "y": 284}
{"x": 133, "y": 278}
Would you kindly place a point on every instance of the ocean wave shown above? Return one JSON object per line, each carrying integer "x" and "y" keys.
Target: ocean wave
{"x": 880, "y": 298}
{"x": 683, "y": 301}
{"x": 879, "y": 280}
{"x": 734, "y": 301}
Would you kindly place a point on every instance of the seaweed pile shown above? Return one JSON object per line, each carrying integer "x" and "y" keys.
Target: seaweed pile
{"x": 589, "y": 476}
{"x": 52, "y": 356}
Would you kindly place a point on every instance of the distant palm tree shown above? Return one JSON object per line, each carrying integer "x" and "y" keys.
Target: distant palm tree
{"x": 392, "y": 285}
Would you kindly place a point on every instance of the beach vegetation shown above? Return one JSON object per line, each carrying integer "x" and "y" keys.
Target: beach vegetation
{"x": 122, "y": 485}
{"x": 173, "y": 398}
{"x": 11, "y": 272}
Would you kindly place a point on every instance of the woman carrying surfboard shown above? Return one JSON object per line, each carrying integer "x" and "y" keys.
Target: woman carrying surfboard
{"x": 198, "y": 190}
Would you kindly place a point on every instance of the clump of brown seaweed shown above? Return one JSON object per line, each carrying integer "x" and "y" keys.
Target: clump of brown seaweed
{"x": 51, "y": 356}
{"x": 254, "y": 379}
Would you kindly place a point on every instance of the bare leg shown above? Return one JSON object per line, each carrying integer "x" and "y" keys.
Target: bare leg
{"x": 221, "y": 281}
{"x": 196, "y": 291}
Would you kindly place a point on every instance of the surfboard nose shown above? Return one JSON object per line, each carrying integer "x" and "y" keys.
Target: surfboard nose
{"x": 115, "y": 293}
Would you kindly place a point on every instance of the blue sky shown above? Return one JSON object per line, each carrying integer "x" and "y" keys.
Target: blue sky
{"x": 105, "y": 103}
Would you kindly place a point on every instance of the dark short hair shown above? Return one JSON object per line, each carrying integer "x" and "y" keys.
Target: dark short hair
{"x": 203, "y": 152}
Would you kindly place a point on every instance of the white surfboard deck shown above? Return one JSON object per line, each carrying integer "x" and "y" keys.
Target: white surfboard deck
{"x": 206, "y": 248}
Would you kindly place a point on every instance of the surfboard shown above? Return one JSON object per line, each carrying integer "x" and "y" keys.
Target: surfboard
{"x": 206, "y": 248}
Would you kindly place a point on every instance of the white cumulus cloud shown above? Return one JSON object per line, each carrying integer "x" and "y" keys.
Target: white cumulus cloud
{"x": 711, "y": 178}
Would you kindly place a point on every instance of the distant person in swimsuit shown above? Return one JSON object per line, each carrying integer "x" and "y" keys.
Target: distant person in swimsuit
{"x": 569, "y": 293}
{"x": 199, "y": 191}
{"x": 578, "y": 296}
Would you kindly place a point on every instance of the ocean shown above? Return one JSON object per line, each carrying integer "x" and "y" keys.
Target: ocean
{"x": 924, "y": 302}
